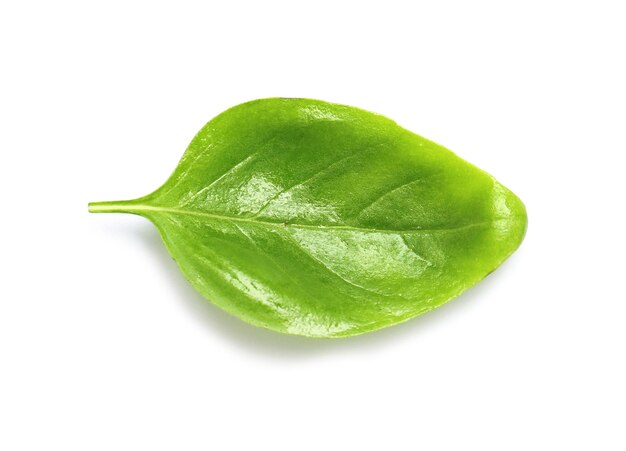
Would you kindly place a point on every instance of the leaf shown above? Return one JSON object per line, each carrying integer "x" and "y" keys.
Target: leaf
{"x": 316, "y": 219}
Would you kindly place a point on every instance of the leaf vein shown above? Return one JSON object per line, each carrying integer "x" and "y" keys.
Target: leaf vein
{"x": 229, "y": 171}
{"x": 326, "y": 267}
{"x": 388, "y": 193}
{"x": 142, "y": 209}
{"x": 316, "y": 175}
{"x": 419, "y": 257}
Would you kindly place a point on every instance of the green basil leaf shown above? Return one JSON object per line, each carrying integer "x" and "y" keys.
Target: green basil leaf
{"x": 324, "y": 220}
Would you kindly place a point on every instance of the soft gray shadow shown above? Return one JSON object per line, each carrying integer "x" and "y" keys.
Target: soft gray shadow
{"x": 275, "y": 345}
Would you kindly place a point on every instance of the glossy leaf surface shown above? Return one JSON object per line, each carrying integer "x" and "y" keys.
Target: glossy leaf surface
{"x": 311, "y": 218}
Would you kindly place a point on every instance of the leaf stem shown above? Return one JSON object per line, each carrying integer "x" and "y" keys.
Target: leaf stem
{"x": 116, "y": 206}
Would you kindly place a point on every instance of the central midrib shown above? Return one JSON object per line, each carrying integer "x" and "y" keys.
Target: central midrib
{"x": 139, "y": 209}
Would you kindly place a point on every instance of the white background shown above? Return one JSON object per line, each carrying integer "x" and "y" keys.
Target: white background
{"x": 105, "y": 346}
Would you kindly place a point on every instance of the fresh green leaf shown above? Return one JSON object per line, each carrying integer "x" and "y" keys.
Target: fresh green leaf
{"x": 316, "y": 219}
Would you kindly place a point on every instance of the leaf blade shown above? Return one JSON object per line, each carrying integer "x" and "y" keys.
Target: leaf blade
{"x": 327, "y": 221}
